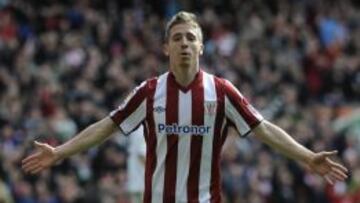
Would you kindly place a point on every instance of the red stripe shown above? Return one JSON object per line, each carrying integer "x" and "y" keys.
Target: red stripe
{"x": 224, "y": 132}
{"x": 241, "y": 105}
{"x": 132, "y": 105}
{"x": 215, "y": 187}
{"x": 196, "y": 144}
{"x": 150, "y": 138}
{"x": 172, "y": 100}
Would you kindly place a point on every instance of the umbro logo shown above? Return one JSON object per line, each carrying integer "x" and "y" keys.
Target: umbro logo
{"x": 159, "y": 109}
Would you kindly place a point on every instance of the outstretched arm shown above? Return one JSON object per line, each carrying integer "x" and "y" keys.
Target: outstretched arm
{"x": 46, "y": 155}
{"x": 320, "y": 162}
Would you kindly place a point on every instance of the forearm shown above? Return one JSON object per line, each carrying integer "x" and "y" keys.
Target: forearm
{"x": 89, "y": 137}
{"x": 278, "y": 139}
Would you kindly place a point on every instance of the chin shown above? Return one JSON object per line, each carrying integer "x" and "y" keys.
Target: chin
{"x": 185, "y": 65}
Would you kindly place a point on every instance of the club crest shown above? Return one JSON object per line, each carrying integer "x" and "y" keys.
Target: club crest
{"x": 210, "y": 108}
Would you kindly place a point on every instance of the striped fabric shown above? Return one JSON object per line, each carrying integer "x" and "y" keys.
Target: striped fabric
{"x": 185, "y": 129}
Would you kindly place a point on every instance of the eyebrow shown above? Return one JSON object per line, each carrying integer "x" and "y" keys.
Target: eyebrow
{"x": 176, "y": 34}
{"x": 186, "y": 33}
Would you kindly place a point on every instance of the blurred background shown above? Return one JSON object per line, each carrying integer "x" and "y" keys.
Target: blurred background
{"x": 66, "y": 64}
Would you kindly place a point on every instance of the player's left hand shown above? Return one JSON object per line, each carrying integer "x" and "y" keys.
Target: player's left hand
{"x": 329, "y": 169}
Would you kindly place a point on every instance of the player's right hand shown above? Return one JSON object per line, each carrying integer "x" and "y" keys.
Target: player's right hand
{"x": 43, "y": 158}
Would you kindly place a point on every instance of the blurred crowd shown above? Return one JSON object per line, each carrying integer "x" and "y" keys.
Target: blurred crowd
{"x": 66, "y": 64}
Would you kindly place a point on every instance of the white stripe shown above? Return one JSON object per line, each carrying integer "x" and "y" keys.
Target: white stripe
{"x": 249, "y": 106}
{"x": 184, "y": 147}
{"x": 134, "y": 119}
{"x": 236, "y": 118}
{"x": 209, "y": 87}
{"x": 207, "y": 145}
{"x": 161, "y": 145}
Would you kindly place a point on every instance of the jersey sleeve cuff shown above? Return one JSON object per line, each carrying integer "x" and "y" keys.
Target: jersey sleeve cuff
{"x": 252, "y": 127}
{"x": 119, "y": 127}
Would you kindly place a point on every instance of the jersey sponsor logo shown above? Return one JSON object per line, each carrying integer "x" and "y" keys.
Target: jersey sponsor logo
{"x": 183, "y": 129}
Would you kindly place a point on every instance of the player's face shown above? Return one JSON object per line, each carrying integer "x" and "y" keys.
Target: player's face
{"x": 184, "y": 45}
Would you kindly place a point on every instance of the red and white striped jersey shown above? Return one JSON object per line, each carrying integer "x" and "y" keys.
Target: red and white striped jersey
{"x": 185, "y": 129}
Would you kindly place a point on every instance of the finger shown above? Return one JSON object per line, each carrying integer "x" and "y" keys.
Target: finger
{"x": 330, "y": 153}
{"x": 338, "y": 166}
{"x": 328, "y": 179}
{"x": 30, "y": 158}
{"x": 339, "y": 172}
{"x": 29, "y": 163}
{"x": 39, "y": 144}
{"x": 31, "y": 168}
{"x": 34, "y": 171}
{"x": 37, "y": 170}
{"x": 336, "y": 176}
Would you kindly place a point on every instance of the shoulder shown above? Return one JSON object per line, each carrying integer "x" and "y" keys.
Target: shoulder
{"x": 217, "y": 79}
{"x": 226, "y": 86}
{"x": 224, "y": 83}
{"x": 151, "y": 83}
{"x": 221, "y": 82}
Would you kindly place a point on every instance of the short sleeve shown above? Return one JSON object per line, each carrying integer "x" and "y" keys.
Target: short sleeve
{"x": 239, "y": 111}
{"x": 132, "y": 111}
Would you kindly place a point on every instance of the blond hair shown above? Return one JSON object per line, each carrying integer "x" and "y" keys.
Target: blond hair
{"x": 180, "y": 18}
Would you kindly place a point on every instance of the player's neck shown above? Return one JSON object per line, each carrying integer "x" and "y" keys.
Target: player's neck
{"x": 184, "y": 76}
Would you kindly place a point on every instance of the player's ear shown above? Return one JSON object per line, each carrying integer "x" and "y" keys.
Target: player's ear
{"x": 201, "y": 49}
{"x": 166, "y": 49}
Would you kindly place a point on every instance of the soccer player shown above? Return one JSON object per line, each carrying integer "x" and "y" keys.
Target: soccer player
{"x": 186, "y": 113}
